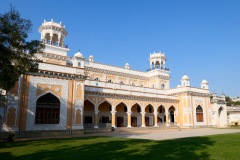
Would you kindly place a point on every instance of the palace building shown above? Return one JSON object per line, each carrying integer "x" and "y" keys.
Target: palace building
{"x": 77, "y": 93}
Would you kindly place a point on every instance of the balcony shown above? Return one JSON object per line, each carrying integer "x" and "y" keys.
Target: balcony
{"x": 158, "y": 67}
{"x": 55, "y": 43}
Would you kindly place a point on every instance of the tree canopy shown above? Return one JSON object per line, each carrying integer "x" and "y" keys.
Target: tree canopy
{"x": 17, "y": 55}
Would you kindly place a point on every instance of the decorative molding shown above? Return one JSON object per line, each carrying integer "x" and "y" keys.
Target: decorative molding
{"x": 105, "y": 71}
{"x": 130, "y": 97}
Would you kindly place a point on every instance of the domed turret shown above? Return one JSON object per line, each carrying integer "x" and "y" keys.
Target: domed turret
{"x": 204, "y": 84}
{"x": 185, "y": 77}
{"x": 127, "y": 66}
{"x": 185, "y": 81}
{"x": 157, "y": 60}
{"x": 78, "y": 55}
{"x": 53, "y": 35}
{"x": 78, "y": 60}
{"x": 91, "y": 58}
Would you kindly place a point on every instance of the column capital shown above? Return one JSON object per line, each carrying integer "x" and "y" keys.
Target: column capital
{"x": 143, "y": 113}
{"x": 113, "y": 112}
{"x": 167, "y": 113}
{"x": 155, "y": 113}
{"x": 129, "y": 113}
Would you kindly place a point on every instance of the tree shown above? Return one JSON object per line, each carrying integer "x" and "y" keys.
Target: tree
{"x": 17, "y": 55}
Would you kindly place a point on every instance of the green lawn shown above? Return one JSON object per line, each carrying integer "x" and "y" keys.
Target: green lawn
{"x": 212, "y": 147}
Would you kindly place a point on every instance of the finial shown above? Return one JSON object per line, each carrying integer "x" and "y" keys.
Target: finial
{"x": 52, "y": 20}
{"x": 44, "y": 20}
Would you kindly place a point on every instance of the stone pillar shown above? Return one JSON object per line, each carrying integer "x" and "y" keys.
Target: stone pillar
{"x": 96, "y": 119}
{"x": 51, "y": 39}
{"x": 129, "y": 119}
{"x": 155, "y": 119}
{"x": 167, "y": 119}
{"x": 113, "y": 118}
{"x": 143, "y": 119}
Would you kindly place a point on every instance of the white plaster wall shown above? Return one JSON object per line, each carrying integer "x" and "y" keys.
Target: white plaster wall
{"x": 30, "y": 124}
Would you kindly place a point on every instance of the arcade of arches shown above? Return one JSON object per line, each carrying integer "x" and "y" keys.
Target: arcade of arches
{"x": 127, "y": 114}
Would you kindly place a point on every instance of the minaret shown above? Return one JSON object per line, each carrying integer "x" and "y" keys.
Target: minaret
{"x": 53, "y": 35}
{"x": 157, "y": 60}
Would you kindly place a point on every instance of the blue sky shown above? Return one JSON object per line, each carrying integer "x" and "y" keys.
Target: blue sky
{"x": 201, "y": 38}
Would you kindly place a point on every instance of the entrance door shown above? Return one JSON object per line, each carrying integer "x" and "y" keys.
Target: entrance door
{"x": 146, "y": 121}
{"x": 88, "y": 119}
{"x": 119, "y": 121}
{"x": 134, "y": 121}
{"x": 171, "y": 116}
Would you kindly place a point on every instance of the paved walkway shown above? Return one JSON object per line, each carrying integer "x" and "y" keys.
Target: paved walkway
{"x": 152, "y": 134}
{"x": 172, "y": 134}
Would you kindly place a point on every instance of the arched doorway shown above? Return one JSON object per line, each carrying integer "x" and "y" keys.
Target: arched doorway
{"x": 161, "y": 115}
{"x": 171, "y": 115}
{"x": 149, "y": 116}
{"x": 220, "y": 117}
{"x": 88, "y": 120}
{"x": 121, "y": 115}
{"x": 104, "y": 114}
{"x": 136, "y": 116}
{"x": 199, "y": 114}
{"x": 47, "y": 109}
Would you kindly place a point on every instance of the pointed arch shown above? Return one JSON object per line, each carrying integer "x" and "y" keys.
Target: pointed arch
{"x": 171, "y": 111}
{"x": 121, "y": 107}
{"x": 161, "y": 109}
{"x": 47, "y": 93}
{"x": 88, "y": 105}
{"x": 105, "y": 106}
{"x": 47, "y": 109}
{"x": 149, "y": 108}
{"x": 136, "y": 108}
{"x": 199, "y": 113}
{"x": 88, "y": 112}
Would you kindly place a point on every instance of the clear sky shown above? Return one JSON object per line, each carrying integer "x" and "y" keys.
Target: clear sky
{"x": 200, "y": 38}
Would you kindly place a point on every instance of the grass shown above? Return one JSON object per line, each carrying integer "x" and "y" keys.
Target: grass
{"x": 217, "y": 147}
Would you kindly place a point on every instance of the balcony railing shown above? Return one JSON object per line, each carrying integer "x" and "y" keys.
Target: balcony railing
{"x": 158, "y": 67}
{"x": 55, "y": 43}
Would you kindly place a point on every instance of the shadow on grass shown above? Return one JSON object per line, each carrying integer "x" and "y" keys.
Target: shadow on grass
{"x": 108, "y": 148}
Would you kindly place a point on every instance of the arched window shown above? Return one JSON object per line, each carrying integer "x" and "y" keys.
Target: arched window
{"x": 199, "y": 114}
{"x": 79, "y": 64}
{"x": 162, "y": 86}
{"x": 47, "y": 109}
{"x": 110, "y": 81}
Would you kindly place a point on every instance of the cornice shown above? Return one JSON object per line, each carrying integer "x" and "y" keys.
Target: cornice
{"x": 112, "y": 95}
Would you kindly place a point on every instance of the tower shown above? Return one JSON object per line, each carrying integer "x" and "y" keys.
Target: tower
{"x": 157, "y": 60}
{"x": 53, "y": 35}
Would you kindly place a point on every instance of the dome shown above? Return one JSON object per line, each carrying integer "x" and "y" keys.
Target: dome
{"x": 127, "y": 66}
{"x": 157, "y": 55}
{"x": 204, "y": 81}
{"x": 185, "y": 77}
{"x": 90, "y": 58}
{"x": 178, "y": 86}
{"x": 78, "y": 55}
